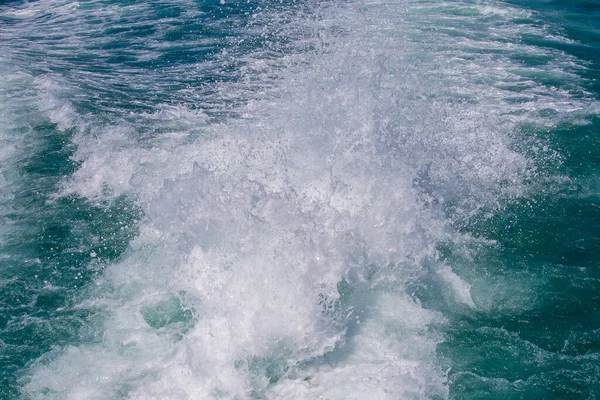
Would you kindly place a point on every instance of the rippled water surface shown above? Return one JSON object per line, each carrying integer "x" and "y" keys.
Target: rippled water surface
{"x": 299, "y": 200}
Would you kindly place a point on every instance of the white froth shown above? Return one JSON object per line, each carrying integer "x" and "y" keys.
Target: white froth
{"x": 392, "y": 357}
{"x": 462, "y": 289}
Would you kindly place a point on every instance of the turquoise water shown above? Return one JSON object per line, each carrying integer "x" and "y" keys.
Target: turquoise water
{"x": 299, "y": 200}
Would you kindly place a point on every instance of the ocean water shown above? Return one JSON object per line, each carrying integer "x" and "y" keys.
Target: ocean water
{"x": 266, "y": 199}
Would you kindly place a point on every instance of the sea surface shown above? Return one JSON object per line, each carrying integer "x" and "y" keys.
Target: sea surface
{"x": 273, "y": 199}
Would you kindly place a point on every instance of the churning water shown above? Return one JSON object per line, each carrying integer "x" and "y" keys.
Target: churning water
{"x": 299, "y": 200}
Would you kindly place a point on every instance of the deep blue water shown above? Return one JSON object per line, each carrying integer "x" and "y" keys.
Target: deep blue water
{"x": 299, "y": 200}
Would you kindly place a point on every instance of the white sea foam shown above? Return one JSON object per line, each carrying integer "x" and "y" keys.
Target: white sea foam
{"x": 461, "y": 288}
{"x": 276, "y": 247}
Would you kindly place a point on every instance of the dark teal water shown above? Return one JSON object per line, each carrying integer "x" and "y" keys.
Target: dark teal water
{"x": 290, "y": 200}
{"x": 550, "y": 348}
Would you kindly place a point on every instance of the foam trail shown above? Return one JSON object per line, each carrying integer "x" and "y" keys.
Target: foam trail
{"x": 277, "y": 247}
